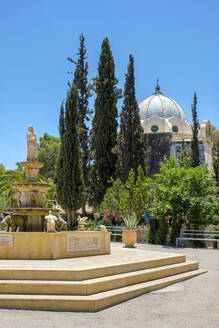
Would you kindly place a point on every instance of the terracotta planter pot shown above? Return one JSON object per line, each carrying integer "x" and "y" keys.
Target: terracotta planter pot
{"x": 129, "y": 237}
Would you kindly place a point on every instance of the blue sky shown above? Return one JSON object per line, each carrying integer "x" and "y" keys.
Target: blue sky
{"x": 176, "y": 41}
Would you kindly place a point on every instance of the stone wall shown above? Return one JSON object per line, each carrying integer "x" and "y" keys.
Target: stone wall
{"x": 205, "y": 151}
{"x": 208, "y": 155}
{"x": 157, "y": 147}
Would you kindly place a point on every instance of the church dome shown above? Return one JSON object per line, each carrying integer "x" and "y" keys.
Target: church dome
{"x": 160, "y": 106}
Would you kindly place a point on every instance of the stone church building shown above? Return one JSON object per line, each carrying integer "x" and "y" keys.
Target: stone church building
{"x": 165, "y": 126}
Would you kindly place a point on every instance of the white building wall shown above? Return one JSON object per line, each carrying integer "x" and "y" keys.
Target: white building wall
{"x": 205, "y": 152}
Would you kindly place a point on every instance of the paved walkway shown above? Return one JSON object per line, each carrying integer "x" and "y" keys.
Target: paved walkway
{"x": 190, "y": 304}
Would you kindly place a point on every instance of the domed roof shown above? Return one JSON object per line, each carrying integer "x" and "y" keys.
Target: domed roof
{"x": 161, "y": 106}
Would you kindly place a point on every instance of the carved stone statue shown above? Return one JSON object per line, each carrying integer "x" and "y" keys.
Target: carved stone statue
{"x": 50, "y": 222}
{"x": 103, "y": 228}
{"x": 12, "y": 223}
{"x": 60, "y": 224}
{"x": 31, "y": 144}
{"x": 81, "y": 222}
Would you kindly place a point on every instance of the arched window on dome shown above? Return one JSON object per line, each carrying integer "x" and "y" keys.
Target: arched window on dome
{"x": 154, "y": 128}
{"x": 175, "y": 128}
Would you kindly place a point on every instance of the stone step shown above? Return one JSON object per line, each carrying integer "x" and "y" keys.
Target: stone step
{"x": 93, "y": 302}
{"x": 82, "y": 273}
{"x": 93, "y": 286}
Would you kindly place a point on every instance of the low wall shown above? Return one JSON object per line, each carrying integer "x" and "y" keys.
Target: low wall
{"x": 45, "y": 246}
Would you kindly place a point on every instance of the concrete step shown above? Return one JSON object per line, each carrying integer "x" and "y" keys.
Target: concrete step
{"x": 93, "y": 286}
{"x": 81, "y": 273}
{"x": 93, "y": 302}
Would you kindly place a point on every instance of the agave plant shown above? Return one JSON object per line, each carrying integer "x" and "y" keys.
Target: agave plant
{"x": 130, "y": 221}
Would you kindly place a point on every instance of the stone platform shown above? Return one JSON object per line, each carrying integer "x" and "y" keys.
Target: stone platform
{"x": 48, "y": 246}
{"x": 89, "y": 283}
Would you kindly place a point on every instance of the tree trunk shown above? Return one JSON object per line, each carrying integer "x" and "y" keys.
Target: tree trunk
{"x": 72, "y": 217}
{"x": 84, "y": 208}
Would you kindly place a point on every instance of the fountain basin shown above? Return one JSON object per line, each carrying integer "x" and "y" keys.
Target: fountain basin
{"x": 48, "y": 246}
{"x": 31, "y": 186}
{"x": 31, "y": 164}
{"x": 31, "y": 211}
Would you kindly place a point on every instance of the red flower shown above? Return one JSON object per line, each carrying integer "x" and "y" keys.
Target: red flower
{"x": 105, "y": 217}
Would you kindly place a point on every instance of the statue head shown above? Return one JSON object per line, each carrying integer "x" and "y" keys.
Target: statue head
{"x": 31, "y": 129}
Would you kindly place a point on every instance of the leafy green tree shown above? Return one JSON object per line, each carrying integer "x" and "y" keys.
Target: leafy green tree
{"x": 51, "y": 193}
{"x": 69, "y": 165}
{"x": 133, "y": 197}
{"x": 81, "y": 81}
{"x": 3, "y": 204}
{"x": 130, "y": 144}
{"x": 111, "y": 202}
{"x": 2, "y": 169}
{"x": 180, "y": 190}
{"x": 48, "y": 151}
{"x": 104, "y": 125}
{"x": 195, "y": 130}
{"x": 210, "y": 209}
{"x": 127, "y": 201}
{"x": 7, "y": 179}
{"x": 182, "y": 194}
{"x": 184, "y": 158}
{"x": 142, "y": 192}
{"x": 136, "y": 197}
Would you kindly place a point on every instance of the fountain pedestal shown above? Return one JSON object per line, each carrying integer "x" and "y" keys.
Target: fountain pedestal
{"x": 31, "y": 193}
{"x": 33, "y": 243}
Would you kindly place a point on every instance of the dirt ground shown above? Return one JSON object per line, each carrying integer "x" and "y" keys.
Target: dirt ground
{"x": 192, "y": 303}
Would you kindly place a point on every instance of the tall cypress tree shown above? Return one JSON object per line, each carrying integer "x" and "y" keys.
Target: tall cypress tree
{"x": 195, "y": 128}
{"x": 130, "y": 146}
{"x": 60, "y": 169}
{"x": 71, "y": 194}
{"x": 104, "y": 124}
{"x": 80, "y": 79}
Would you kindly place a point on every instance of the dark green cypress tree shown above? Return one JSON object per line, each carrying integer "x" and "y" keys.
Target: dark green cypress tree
{"x": 104, "y": 125}
{"x": 73, "y": 170}
{"x": 60, "y": 169}
{"x": 195, "y": 129}
{"x": 80, "y": 79}
{"x": 70, "y": 172}
{"x": 130, "y": 146}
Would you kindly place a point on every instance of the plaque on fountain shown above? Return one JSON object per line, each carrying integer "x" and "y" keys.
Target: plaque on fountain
{"x": 6, "y": 240}
{"x": 83, "y": 243}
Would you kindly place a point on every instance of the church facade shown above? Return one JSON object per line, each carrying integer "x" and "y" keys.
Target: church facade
{"x": 165, "y": 126}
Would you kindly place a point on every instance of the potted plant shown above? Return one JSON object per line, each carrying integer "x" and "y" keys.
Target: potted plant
{"x": 129, "y": 234}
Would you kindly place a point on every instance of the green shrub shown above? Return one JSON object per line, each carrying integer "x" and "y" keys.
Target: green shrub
{"x": 111, "y": 201}
{"x": 161, "y": 232}
{"x": 175, "y": 231}
{"x": 151, "y": 236}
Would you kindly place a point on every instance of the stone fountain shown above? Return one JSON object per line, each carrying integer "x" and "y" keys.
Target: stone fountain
{"x": 34, "y": 243}
{"x": 31, "y": 193}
